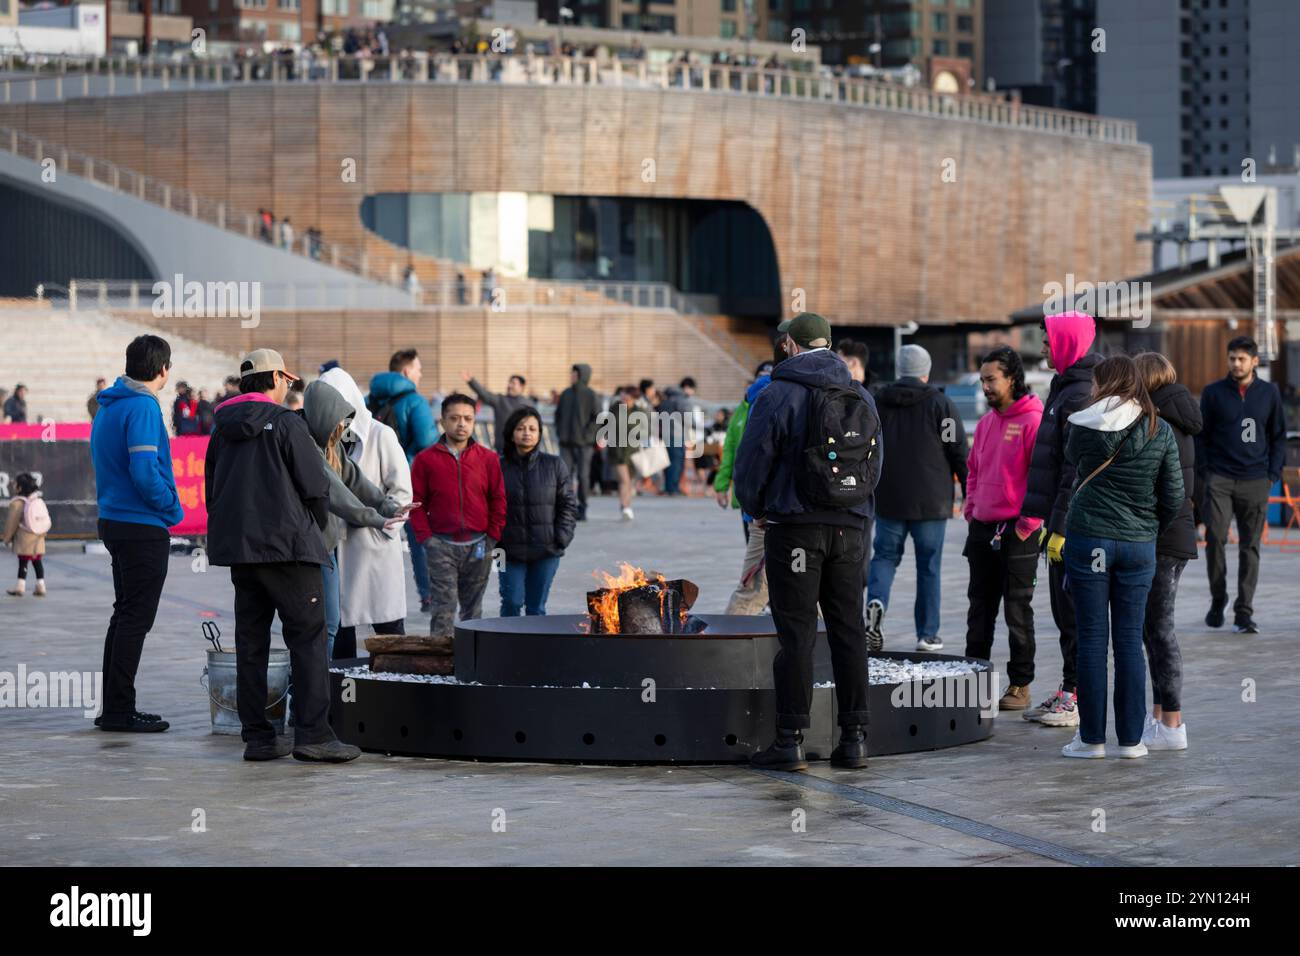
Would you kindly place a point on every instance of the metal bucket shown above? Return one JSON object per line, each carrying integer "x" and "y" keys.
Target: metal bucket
{"x": 219, "y": 681}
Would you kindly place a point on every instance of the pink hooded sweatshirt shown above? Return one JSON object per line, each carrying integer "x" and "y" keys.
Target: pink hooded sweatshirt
{"x": 999, "y": 464}
{"x": 1069, "y": 336}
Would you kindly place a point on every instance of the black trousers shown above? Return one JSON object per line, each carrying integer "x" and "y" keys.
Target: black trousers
{"x": 1004, "y": 577}
{"x": 345, "y": 641}
{"x": 806, "y": 565}
{"x": 578, "y": 458}
{"x": 293, "y": 591}
{"x": 139, "y": 555}
{"x": 1063, "y": 615}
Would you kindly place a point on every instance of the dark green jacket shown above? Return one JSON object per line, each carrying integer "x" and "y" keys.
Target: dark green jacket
{"x": 1139, "y": 495}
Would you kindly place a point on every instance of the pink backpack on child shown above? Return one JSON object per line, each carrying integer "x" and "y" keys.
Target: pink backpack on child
{"x": 36, "y": 517}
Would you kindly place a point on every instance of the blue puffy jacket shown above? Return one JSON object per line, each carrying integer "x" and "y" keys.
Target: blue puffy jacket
{"x": 132, "y": 458}
{"x": 414, "y": 420}
{"x": 776, "y": 435}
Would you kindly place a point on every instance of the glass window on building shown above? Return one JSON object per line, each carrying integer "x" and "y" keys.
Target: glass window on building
{"x": 774, "y": 5}
{"x": 728, "y": 6}
{"x": 965, "y": 24}
{"x": 967, "y": 50}
{"x": 776, "y": 30}
{"x": 961, "y": 4}
{"x": 728, "y": 29}
{"x": 939, "y": 22}
{"x": 939, "y": 47}
{"x": 287, "y": 5}
{"x": 290, "y": 31}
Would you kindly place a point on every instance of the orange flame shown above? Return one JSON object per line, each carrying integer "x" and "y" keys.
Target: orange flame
{"x": 629, "y": 577}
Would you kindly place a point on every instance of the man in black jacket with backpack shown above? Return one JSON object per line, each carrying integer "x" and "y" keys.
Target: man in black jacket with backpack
{"x": 806, "y": 469}
{"x": 268, "y": 499}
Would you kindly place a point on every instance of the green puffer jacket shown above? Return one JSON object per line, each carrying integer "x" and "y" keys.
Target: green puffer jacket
{"x": 1141, "y": 492}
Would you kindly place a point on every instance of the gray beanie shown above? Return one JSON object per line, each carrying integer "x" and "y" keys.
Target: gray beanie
{"x": 913, "y": 362}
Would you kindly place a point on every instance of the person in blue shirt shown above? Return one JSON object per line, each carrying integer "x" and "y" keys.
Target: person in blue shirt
{"x": 396, "y": 401}
{"x": 137, "y": 500}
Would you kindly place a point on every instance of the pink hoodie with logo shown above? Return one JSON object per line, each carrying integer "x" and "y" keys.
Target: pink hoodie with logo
{"x": 999, "y": 464}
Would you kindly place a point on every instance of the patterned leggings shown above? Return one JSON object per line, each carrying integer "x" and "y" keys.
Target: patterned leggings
{"x": 1163, "y": 656}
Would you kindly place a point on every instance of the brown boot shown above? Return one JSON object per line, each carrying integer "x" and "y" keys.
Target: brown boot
{"x": 1016, "y": 698}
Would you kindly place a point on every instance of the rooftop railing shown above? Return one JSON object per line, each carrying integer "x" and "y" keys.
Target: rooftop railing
{"x": 64, "y": 77}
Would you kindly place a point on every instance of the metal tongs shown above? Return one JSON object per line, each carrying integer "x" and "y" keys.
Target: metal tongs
{"x": 213, "y": 635}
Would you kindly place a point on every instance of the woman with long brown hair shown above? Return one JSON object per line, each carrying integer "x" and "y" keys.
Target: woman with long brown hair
{"x": 1128, "y": 489}
{"x": 1174, "y": 548}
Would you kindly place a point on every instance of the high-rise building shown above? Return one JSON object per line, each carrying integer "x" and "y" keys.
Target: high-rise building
{"x": 888, "y": 33}
{"x": 1211, "y": 83}
{"x": 1043, "y": 49}
{"x": 705, "y": 18}
{"x": 284, "y": 21}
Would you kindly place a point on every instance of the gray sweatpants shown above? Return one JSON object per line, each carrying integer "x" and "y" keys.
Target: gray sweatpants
{"x": 456, "y": 574}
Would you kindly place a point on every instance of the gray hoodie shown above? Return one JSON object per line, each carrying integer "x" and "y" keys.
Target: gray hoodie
{"x": 354, "y": 500}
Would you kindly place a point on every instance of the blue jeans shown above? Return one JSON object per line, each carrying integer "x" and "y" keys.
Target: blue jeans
{"x": 927, "y": 537}
{"x": 419, "y": 564}
{"x": 1110, "y": 581}
{"x": 526, "y": 584}
{"x": 330, "y": 575}
{"x": 676, "y": 465}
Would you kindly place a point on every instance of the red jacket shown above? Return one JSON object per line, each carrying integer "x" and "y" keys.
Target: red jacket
{"x": 462, "y": 497}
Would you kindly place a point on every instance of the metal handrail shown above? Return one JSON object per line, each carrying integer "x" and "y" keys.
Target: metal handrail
{"x": 531, "y": 69}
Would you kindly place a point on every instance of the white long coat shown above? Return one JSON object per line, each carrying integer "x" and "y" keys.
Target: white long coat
{"x": 372, "y": 577}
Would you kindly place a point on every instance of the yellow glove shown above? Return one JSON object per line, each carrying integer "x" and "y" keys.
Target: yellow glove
{"x": 1054, "y": 545}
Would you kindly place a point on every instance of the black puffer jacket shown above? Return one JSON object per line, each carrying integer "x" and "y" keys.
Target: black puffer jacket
{"x": 1177, "y": 406}
{"x": 1047, "y": 492}
{"x": 541, "y": 508}
{"x": 267, "y": 490}
{"x": 1140, "y": 494}
{"x": 927, "y": 446}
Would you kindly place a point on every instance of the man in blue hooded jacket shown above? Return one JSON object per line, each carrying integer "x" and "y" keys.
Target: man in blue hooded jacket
{"x": 813, "y": 554}
{"x": 137, "y": 502}
{"x": 396, "y": 401}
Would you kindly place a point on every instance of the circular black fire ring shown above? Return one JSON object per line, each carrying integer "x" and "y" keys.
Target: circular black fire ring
{"x": 541, "y": 689}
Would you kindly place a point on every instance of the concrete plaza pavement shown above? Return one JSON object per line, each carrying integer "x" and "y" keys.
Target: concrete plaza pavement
{"x": 71, "y": 795}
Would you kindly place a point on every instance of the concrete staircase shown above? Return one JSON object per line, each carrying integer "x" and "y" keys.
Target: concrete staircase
{"x": 59, "y": 354}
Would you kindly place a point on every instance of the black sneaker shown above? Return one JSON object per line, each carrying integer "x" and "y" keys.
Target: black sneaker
{"x": 268, "y": 749}
{"x": 1244, "y": 624}
{"x": 331, "y": 751}
{"x": 874, "y": 619}
{"x": 1215, "y": 617}
{"x": 136, "y": 723}
{"x": 785, "y": 753}
{"x": 851, "y": 753}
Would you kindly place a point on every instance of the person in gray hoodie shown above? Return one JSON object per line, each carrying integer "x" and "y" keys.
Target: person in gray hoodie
{"x": 353, "y": 500}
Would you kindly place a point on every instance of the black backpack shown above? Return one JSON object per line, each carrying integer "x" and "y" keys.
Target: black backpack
{"x": 838, "y": 467}
{"x": 385, "y": 412}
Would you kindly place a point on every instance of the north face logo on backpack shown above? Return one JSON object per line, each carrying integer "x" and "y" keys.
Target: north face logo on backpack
{"x": 848, "y": 481}
{"x": 266, "y": 427}
{"x": 838, "y": 471}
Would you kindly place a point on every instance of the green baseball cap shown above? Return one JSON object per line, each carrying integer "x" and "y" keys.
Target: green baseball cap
{"x": 805, "y": 328}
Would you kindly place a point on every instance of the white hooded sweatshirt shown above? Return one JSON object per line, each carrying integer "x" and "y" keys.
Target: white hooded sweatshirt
{"x": 372, "y": 579}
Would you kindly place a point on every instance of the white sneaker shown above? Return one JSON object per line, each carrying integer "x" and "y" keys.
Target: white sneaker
{"x": 1064, "y": 712}
{"x": 929, "y": 643}
{"x": 627, "y": 514}
{"x": 1160, "y": 737}
{"x": 1077, "y": 748}
{"x": 1139, "y": 749}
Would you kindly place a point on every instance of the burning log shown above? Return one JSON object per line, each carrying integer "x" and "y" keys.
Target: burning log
{"x": 636, "y": 603}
